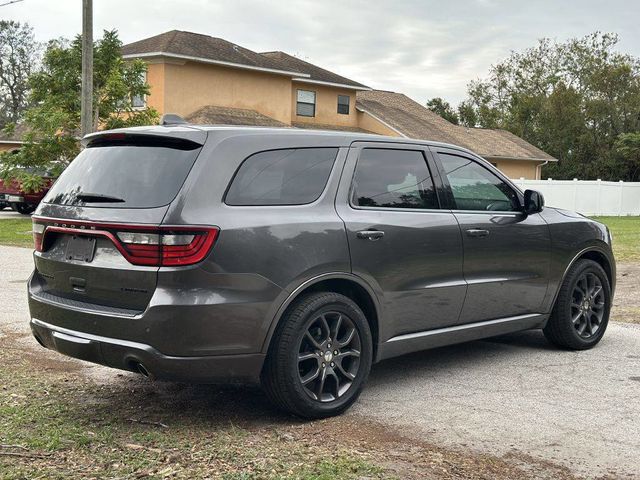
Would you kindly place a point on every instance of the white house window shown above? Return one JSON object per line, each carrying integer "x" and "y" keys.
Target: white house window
{"x": 139, "y": 101}
{"x": 306, "y": 104}
{"x": 343, "y": 104}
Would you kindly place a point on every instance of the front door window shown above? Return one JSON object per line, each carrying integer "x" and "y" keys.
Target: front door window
{"x": 475, "y": 187}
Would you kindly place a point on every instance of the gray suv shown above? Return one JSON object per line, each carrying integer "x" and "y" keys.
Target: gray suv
{"x": 298, "y": 258}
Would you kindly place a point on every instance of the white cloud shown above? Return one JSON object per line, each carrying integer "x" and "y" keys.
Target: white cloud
{"x": 422, "y": 48}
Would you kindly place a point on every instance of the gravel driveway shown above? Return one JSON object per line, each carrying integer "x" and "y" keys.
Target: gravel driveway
{"x": 511, "y": 395}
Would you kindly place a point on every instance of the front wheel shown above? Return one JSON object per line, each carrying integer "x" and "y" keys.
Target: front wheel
{"x": 320, "y": 356}
{"x": 581, "y": 313}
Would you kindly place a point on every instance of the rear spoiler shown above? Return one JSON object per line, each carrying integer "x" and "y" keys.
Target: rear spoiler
{"x": 162, "y": 134}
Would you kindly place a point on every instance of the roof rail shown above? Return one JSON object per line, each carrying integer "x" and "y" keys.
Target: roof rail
{"x": 172, "y": 119}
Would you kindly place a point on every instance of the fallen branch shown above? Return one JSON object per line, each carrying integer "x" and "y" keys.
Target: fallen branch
{"x": 26, "y": 455}
{"x": 147, "y": 422}
{"x": 14, "y": 446}
{"x": 135, "y": 446}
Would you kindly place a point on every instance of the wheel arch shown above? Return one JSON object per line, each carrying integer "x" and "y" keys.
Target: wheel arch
{"x": 346, "y": 284}
{"x": 601, "y": 259}
{"x": 596, "y": 254}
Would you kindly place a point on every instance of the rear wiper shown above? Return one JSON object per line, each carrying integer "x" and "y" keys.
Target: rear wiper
{"x": 98, "y": 198}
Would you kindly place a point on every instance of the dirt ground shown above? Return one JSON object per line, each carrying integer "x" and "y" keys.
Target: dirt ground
{"x": 626, "y": 303}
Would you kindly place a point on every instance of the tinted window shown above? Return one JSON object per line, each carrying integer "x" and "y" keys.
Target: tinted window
{"x": 343, "y": 104}
{"x": 393, "y": 179}
{"x": 282, "y": 177}
{"x": 133, "y": 176}
{"x": 306, "y": 103}
{"x": 476, "y": 188}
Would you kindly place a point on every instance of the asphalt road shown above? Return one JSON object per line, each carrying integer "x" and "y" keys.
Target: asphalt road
{"x": 512, "y": 395}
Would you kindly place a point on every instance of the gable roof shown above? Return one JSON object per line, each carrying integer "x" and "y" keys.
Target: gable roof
{"x": 203, "y": 48}
{"x": 410, "y": 119}
{"x": 316, "y": 74}
{"x": 213, "y": 115}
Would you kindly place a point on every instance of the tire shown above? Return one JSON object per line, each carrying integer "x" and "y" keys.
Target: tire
{"x": 23, "y": 208}
{"x": 284, "y": 372}
{"x": 561, "y": 330}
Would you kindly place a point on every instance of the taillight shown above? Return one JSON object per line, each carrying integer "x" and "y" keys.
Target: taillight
{"x": 38, "y": 232}
{"x": 139, "y": 244}
{"x": 171, "y": 246}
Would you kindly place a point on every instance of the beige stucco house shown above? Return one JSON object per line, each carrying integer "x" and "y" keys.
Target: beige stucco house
{"x": 212, "y": 81}
{"x": 9, "y": 145}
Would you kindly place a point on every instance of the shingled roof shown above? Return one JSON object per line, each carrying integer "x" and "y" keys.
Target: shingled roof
{"x": 198, "y": 47}
{"x": 212, "y": 115}
{"x": 413, "y": 120}
{"x": 316, "y": 74}
{"x": 15, "y": 135}
{"x": 204, "y": 48}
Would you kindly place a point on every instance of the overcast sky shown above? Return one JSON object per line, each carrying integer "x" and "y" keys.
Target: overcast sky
{"x": 421, "y": 48}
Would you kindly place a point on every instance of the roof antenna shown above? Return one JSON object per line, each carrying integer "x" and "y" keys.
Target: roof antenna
{"x": 172, "y": 119}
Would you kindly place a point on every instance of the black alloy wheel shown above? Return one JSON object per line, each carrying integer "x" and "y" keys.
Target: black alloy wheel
{"x": 581, "y": 312}
{"x": 587, "y": 305}
{"x": 329, "y": 356}
{"x": 319, "y": 357}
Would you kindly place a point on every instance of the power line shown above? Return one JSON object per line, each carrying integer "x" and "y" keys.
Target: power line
{"x": 9, "y": 3}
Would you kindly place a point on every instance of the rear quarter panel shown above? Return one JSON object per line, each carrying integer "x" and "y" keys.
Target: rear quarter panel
{"x": 263, "y": 253}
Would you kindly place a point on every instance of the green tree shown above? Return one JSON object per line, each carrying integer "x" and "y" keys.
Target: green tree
{"x": 19, "y": 56}
{"x": 572, "y": 99}
{"x": 628, "y": 146}
{"x": 444, "y": 109}
{"x": 53, "y": 120}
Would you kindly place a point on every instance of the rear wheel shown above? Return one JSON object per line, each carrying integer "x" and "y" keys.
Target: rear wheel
{"x": 320, "y": 356}
{"x": 581, "y": 313}
{"x": 23, "y": 208}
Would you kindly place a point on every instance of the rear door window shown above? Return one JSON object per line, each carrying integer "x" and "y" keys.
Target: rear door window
{"x": 393, "y": 178}
{"x": 131, "y": 173}
{"x": 282, "y": 177}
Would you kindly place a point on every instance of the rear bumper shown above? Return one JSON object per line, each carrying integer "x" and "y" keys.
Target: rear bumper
{"x": 127, "y": 355}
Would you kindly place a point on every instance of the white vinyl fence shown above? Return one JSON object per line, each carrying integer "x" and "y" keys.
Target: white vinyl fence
{"x": 589, "y": 197}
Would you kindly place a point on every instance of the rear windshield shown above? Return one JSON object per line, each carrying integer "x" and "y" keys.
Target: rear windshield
{"x": 125, "y": 175}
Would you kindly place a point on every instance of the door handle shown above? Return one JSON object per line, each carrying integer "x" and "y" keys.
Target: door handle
{"x": 477, "y": 232}
{"x": 372, "y": 235}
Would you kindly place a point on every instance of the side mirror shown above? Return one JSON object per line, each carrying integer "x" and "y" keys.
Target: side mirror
{"x": 533, "y": 202}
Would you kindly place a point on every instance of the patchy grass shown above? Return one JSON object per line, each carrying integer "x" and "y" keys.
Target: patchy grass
{"x": 626, "y": 237}
{"x": 55, "y": 423}
{"x": 16, "y": 232}
{"x": 62, "y": 428}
